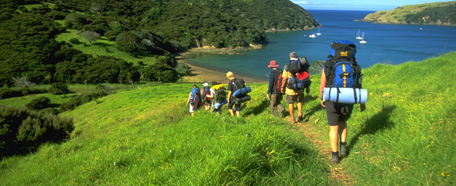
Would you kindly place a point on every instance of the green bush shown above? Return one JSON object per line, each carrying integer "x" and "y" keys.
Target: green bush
{"x": 159, "y": 72}
{"x": 81, "y": 99}
{"x": 23, "y": 130}
{"x": 39, "y": 103}
{"x": 59, "y": 88}
{"x": 10, "y": 93}
{"x": 183, "y": 69}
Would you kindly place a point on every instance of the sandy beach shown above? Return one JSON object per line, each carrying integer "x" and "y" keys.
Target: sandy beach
{"x": 208, "y": 75}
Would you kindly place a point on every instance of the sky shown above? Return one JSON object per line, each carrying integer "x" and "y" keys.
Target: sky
{"x": 358, "y": 4}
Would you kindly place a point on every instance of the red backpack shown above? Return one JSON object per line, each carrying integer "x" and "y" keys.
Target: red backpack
{"x": 277, "y": 86}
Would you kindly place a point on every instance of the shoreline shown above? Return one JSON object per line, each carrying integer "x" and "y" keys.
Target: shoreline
{"x": 210, "y": 75}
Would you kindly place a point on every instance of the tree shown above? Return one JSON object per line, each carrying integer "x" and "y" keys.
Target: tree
{"x": 22, "y": 81}
{"x": 90, "y": 36}
{"x": 59, "y": 88}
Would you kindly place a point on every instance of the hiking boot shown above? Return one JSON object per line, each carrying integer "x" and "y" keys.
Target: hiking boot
{"x": 335, "y": 159}
{"x": 284, "y": 113}
{"x": 292, "y": 120}
{"x": 343, "y": 150}
{"x": 300, "y": 118}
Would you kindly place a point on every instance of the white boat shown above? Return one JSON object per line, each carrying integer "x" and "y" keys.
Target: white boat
{"x": 318, "y": 32}
{"x": 312, "y": 35}
{"x": 357, "y": 36}
{"x": 362, "y": 39}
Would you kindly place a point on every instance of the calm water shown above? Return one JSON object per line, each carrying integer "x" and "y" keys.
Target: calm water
{"x": 392, "y": 44}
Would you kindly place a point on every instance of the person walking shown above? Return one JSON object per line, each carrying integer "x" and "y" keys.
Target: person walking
{"x": 274, "y": 93}
{"x": 233, "y": 85}
{"x": 293, "y": 95}
{"x": 206, "y": 96}
{"x": 194, "y": 98}
{"x": 338, "y": 113}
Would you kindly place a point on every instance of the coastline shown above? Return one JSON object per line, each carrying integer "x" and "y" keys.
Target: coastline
{"x": 208, "y": 75}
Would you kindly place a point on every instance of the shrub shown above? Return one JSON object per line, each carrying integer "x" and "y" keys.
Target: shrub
{"x": 49, "y": 110}
{"x": 74, "y": 41}
{"x": 159, "y": 72}
{"x": 183, "y": 69}
{"x": 90, "y": 36}
{"x": 9, "y": 93}
{"x": 59, "y": 88}
{"x": 23, "y": 130}
{"x": 141, "y": 63}
{"x": 107, "y": 50}
{"x": 39, "y": 103}
{"x": 81, "y": 99}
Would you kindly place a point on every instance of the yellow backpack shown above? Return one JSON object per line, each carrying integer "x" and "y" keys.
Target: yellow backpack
{"x": 216, "y": 87}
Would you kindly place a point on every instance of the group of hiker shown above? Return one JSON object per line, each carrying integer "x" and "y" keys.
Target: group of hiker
{"x": 340, "y": 89}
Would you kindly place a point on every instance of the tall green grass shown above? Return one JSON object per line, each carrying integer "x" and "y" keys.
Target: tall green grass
{"x": 147, "y": 137}
{"x": 407, "y": 134}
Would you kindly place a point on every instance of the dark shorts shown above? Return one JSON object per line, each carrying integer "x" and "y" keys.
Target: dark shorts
{"x": 237, "y": 107}
{"x": 337, "y": 112}
{"x": 290, "y": 99}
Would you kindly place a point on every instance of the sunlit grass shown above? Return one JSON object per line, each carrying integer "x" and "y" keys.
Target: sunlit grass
{"x": 99, "y": 47}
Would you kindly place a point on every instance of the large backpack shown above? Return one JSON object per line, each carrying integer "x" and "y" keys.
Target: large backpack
{"x": 206, "y": 92}
{"x": 277, "y": 81}
{"x": 220, "y": 95}
{"x": 341, "y": 68}
{"x": 196, "y": 97}
{"x": 238, "y": 84}
{"x": 299, "y": 70}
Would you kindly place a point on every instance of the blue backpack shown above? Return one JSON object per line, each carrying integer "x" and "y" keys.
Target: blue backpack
{"x": 341, "y": 68}
{"x": 196, "y": 96}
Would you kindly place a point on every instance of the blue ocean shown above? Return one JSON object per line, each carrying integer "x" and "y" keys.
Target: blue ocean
{"x": 386, "y": 43}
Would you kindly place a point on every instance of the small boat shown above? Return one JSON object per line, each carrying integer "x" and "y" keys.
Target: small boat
{"x": 362, "y": 39}
{"x": 312, "y": 35}
{"x": 357, "y": 36}
{"x": 318, "y": 32}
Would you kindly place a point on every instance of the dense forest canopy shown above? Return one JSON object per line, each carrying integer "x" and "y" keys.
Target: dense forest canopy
{"x": 28, "y": 30}
{"x": 441, "y": 13}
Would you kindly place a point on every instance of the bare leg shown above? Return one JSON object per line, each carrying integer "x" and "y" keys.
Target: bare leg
{"x": 231, "y": 112}
{"x": 343, "y": 131}
{"x": 291, "y": 110}
{"x": 238, "y": 114}
{"x": 333, "y": 132}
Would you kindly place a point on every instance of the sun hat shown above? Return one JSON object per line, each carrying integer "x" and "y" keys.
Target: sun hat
{"x": 205, "y": 84}
{"x": 273, "y": 64}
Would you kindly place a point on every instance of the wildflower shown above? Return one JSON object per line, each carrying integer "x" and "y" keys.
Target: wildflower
{"x": 424, "y": 163}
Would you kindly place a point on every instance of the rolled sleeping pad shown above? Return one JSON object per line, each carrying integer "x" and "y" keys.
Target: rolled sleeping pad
{"x": 241, "y": 92}
{"x": 242, "y": 100}
{"x": 218, "y": 105}
{"x": 345, "y": 95}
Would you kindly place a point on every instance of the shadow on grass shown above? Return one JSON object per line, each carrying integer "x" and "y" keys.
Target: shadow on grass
{"x": 378, "y": 122}
{"x": 55, "y": 105}
{"x": 258, "y": 109}
{"x": 312, "y": 111}
{"x": 102, "y": 44}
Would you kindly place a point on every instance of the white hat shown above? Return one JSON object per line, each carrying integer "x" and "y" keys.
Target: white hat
{"x": 205, "y": 84}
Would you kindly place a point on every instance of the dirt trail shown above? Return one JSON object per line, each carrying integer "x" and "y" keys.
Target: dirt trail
{"x": 321, "y": 142}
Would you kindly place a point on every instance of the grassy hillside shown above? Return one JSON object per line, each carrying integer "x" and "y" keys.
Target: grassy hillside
{"x": 442, "y": 13}
{"x": 146, "y": 136}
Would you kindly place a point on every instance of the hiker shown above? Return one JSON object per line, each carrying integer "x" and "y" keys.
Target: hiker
{"x": 218, "y": 97}
{"x": 233, "y": 85}
{"x": 338, "y": 72}
{"x": 206, "y": 96}
{"x": 295, "y": 79}
{"x": 275, "y": 84}
{"x": 194, "y": 98}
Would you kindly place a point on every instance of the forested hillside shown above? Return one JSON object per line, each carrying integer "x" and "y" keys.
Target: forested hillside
{"x": 138, "y": 28}
{"x": 443, "y": 13}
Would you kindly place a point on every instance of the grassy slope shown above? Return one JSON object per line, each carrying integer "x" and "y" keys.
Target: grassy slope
{"x": 397, "y": 15}
{"x": 126, "y": 139}
{"x": 405, "y": 137}
{"x": 99, "y": 47}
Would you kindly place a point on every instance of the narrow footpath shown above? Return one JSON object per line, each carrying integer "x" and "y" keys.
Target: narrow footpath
{"x": 321, "y": 142}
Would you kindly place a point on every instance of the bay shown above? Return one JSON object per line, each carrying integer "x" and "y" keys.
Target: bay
{"x": 386, "y": 43}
